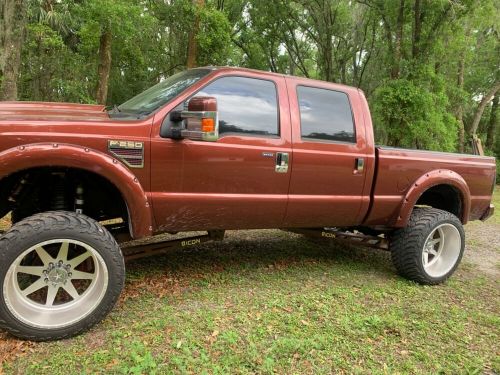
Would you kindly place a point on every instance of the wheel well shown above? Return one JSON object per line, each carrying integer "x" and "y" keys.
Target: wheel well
{"x": 443, "y": 197}
{"x": 43, "y": 189}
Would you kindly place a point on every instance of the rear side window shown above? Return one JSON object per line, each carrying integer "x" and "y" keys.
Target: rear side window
{"x": 325, "y": 115}
{"x": 245, "y": 105}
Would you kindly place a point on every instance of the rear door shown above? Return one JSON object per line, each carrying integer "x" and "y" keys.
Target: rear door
{"x": 234, "y": 182}
{"x": 331, "y": 155}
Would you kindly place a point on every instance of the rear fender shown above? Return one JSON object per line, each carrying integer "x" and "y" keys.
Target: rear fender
{"x": 427, "y": 181}
{"x": 72, "y": 156}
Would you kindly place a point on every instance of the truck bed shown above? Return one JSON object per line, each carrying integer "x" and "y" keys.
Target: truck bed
{"x": 397, "y": 171}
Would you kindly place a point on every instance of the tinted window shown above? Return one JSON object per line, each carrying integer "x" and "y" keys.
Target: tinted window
{"x": 245, "y": 105}
{"x": 325, "y": 114}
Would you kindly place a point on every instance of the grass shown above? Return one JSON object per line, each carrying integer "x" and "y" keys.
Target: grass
{"x": 273, "y": 302}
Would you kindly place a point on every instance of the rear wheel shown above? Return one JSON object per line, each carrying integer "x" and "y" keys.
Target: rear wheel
{"x": 61, "y": 273}
{"x": 430, "y": 248}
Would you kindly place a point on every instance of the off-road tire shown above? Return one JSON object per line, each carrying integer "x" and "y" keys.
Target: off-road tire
{"x": 407, "y": 244}
{"x": 54, "y": 225}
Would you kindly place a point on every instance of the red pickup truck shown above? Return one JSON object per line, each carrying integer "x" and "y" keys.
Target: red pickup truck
{"x": 211, "y": 149}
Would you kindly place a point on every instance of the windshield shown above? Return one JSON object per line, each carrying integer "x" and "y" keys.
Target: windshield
{"x": 153, "y": 98}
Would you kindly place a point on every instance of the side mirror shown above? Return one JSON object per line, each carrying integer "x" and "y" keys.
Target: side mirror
{"x": 200, "y": 121}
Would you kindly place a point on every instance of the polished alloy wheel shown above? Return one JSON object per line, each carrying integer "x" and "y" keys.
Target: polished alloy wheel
{"x": 441, "y": 250}
{"x": 55, "y": 283}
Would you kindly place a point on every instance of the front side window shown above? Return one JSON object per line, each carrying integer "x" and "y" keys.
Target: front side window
{"x": 246, "y": 106}
{"x": 325, "y": 115}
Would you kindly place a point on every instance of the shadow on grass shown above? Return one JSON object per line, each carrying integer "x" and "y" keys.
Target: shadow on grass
{"x": 245, "y": 252}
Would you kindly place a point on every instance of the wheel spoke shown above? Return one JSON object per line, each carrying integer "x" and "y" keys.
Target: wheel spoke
{"x": 63, "y": 251}
{"x": 442, "y": 239}
{"x": 51, "y": 295}
{"x": 75, "y": 262}
{"x": 426, "y": 258}
{"x": 433, "y": 252}
{"x": 30, "y": 270}
{"x": 44, "y": 256}
{"x": 70, "y": 288}
{"x": 79, "y": 275}
{"x": 37, "y": 285}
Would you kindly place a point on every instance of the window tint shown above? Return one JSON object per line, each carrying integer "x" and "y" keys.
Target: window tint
{"x": 325, "y": 114}
{"x": 245, "y": 105}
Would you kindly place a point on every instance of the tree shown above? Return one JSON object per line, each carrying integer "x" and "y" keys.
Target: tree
{"x": 14, "y": 14}
{"x": 192, "y": 42}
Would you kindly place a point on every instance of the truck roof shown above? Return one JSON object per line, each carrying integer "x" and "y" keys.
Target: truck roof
{"x": 233, "y": 69}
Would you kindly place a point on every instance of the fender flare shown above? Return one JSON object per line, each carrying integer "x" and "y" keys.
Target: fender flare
{"x": 427, "y": 181}
{"x": 72, "y": 156}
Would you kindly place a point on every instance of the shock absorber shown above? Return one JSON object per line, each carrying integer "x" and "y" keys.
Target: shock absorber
{"x": 59, "y": 199}
{"x": 79, "y": 199}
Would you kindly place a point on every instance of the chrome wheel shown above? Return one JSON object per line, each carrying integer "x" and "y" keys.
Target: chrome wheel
{"x": 55, "y": 283}
{"x": 441, "y": 250}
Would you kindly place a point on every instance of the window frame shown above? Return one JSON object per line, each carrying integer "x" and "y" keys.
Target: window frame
{"x": 278, "y": 108}
{"x": 318, "y": 140}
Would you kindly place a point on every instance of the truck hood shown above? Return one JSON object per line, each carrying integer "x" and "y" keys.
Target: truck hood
{"x": 46, "y": 111}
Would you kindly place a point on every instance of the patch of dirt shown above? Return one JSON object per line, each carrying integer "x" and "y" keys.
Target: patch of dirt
{"x": 483, "y": 247}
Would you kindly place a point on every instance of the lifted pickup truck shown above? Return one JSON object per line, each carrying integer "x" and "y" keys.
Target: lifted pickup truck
{"x": 211, "y": 149}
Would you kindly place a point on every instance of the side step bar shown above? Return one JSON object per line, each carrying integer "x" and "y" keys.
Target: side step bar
{"x": 353, "y": 238}
{"x": 161, "y": 247}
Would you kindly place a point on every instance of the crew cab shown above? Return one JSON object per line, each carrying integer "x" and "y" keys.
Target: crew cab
{"x": 211, "y": 149}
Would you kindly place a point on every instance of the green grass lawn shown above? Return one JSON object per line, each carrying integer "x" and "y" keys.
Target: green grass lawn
{"x": 274, "y": 302}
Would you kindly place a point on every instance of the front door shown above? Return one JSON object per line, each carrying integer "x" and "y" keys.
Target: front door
{"x": 234, "y": 182}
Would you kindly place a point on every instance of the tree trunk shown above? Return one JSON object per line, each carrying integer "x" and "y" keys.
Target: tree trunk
{"x": 104, "y": 67}
{"x": 12, "y": 36}
{"x": 192, "y": 43}
{"x": 417, "y": 29}
{"x": 492, "y": 124}
{"x": 460, "y": 108}
{"x": 482, "y": 105}
{"x": 398, "y": 41}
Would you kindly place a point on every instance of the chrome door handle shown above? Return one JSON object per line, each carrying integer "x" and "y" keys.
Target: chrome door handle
{"x": 281, "y": 162}
{"x": 360, "y": 165}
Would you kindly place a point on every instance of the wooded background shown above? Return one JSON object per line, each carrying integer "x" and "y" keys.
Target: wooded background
{"x": 429, "y": 68}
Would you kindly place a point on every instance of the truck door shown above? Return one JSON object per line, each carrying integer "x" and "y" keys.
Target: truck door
{"x": 234, "y": 182}
{"x": 331, "y": 156}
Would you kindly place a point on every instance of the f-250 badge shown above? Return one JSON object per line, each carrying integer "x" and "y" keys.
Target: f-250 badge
{"x": 129, "y": 152}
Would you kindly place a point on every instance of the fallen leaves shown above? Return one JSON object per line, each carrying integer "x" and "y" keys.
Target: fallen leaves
{"x": 11, "y": 348}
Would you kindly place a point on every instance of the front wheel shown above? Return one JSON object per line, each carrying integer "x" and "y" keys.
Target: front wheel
{"x": 61, "y": 273}
{"x": 430, "y": 248}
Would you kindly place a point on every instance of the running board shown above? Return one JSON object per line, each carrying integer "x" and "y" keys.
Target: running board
{"x": 162, "y": 247}
{"x": 353, "y": 238}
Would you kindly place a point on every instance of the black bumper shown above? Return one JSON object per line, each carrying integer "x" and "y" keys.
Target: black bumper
{"x": 488, "y": 213}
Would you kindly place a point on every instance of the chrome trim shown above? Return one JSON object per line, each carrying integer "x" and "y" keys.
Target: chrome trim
{"x": 198, "y": 135}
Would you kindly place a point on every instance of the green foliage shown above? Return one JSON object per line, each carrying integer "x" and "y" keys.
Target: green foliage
{"x": 408, "y": 115}
{"x": 214, "y": 37}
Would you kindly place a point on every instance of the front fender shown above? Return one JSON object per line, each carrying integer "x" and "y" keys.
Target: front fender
{"x": 425, "y": 182}
{"x": 72, "y": 156}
